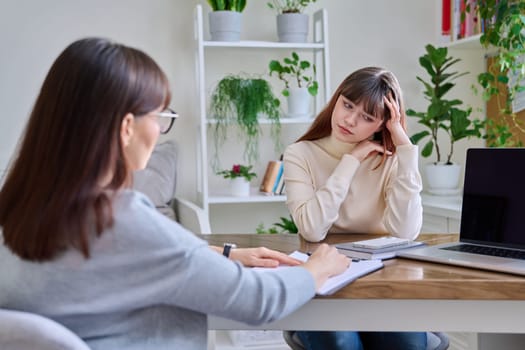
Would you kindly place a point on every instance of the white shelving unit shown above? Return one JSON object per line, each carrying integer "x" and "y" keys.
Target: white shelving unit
{"x": 207, "y": 195}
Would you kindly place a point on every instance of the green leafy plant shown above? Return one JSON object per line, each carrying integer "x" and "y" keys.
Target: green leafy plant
{"x": 227, "y": 5}
{"x": 293, "y": 70}
{"x": 241, "y": 101}
{"x": 284, "y": 226}
{"x": 289, "y": 6}
{"x": 504, "y": 23}
{"x": 500, "y": 135}
{"x": 238, "y": 170}
{"x": 442, "y": 114}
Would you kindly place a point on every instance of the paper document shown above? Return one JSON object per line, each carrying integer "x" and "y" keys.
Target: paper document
{"x": 356, "y": 270}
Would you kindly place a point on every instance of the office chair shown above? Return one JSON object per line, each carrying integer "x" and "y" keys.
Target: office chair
{"x": 435, "y": 341}
{"x": 24, "y": 330}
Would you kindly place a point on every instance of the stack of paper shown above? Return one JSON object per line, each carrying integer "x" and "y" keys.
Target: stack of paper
{"x": 378, "y": 248}
{"x": 356, "y": 270}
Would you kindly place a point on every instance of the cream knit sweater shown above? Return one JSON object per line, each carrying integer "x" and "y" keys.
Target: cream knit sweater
{"x": 330, "y": 191}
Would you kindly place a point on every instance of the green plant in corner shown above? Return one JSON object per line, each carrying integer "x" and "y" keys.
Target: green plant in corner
{"x": 285, "y": 225}
{"x": 227, "y": 5}
{"x": 293, "y": 71}
{"x": 504, "y": 22}
{"x": 240, "y": 101}
{"x": 442, "y": 114}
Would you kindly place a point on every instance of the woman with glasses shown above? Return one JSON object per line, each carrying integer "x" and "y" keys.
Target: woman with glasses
{"x": 79, "y": 246}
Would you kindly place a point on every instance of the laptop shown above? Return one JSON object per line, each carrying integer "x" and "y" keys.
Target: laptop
{"x": 492, "y": 230}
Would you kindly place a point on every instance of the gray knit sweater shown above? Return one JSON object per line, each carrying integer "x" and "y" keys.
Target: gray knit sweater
{"x": 148, "y": 285}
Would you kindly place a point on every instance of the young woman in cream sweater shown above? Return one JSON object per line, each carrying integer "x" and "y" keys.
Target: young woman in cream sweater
{"x": 356, "y": 171}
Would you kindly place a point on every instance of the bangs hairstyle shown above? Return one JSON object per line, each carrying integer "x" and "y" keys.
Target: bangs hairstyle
{"x": 367, "y": 86}
{"x": 52, "y": 198}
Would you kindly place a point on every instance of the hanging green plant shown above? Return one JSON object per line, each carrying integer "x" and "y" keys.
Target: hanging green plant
{"x": 504, "y": 31}
{"x": 240, "y": 101}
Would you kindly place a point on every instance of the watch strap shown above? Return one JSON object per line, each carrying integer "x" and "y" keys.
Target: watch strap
{"x": 227, "y": 249}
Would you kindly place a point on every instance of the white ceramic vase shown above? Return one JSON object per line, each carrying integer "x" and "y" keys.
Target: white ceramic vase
{"x": 292, "y": 27}
{"x": 240, "y": 187}
{"x": 225, "y": 25}
{"x": 442, "y": 178}
{"x": 298, "y": 102}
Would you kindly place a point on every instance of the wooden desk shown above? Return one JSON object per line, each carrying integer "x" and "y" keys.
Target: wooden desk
{"x": 404, "y": 295}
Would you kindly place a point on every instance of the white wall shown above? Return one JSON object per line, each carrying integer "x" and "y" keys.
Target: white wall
{"x": 33, "y": 32}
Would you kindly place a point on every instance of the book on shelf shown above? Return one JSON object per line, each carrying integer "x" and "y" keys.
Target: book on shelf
{"x": 361, "y": 250}
{"x": 445, "y": 17}
{"x": 279, "y": 184}
{"x": 278, "y": 179}
{"x": 465, "y": 20}
{"x": 271, "y": 177}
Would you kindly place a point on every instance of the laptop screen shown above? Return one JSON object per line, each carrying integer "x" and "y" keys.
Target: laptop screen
{"x": 493, "y": 210}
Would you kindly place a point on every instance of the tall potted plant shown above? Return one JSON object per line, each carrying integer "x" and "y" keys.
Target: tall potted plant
{"x": 292, "y": 23}
{"x": 442, "y": 115}
{"x": 240, "y": 101}
{"x": 226, "y": 19}
{"x": 299, "y": 82}
{"x": 504, "y": 31}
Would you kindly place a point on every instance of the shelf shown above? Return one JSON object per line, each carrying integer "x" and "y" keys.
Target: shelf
{"x": 207, "y": 68}
{"x": 448, "y": 206}
{"x": 470, "y": 43}
{"x": 223, "y": 196}
{"x": 263, "y": 44}
{"x": 224, "y": 342}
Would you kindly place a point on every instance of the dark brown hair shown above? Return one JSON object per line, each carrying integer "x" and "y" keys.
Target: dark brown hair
{"x": 367, "y": 85}
{"x": 52, "y": 198}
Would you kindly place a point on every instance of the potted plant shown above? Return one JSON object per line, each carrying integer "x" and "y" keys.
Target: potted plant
{"x": 226, "y": 19}
{"x": 240, "y": 176}
{"x": 298, "y": 82}
{"x": 442, "y": 115}
{"x": 240, "y": 101}
{"x": 292, "y": 23}
{"x": 504, "y": 31}
{"x": 284, "y": 226}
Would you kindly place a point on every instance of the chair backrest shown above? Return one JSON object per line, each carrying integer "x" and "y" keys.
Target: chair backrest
{"x": 191, "y": 216}
{"x": 23, "y": 330}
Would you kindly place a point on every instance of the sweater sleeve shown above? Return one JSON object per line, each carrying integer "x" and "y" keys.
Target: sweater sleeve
{"x": 403, "y": 215}
{"x": 315, "y": 210}
{"x": 172, "y": 266}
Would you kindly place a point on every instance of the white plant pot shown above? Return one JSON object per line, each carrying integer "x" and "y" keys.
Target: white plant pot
{"x": 442, "y": 178}
{"x": 225, "y": 25}
{"x": 240, "y": 187}
{"x": 298, "y": 102}
{"x": 292, "y": 27}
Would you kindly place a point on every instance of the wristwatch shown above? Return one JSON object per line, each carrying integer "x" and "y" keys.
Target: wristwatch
{"x": 227, "y": 248}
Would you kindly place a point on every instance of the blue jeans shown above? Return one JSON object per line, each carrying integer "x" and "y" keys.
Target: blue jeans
{"x": 348, "y": 340}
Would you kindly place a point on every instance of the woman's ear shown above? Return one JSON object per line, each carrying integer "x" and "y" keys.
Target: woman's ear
{"x": 126, "y": 129}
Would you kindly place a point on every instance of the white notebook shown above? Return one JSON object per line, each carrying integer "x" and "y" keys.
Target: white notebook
{"x": 356, "y": 270}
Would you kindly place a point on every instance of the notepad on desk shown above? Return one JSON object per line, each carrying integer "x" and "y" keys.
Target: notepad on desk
{"x": 356, "y": 270}
{"x": 377, "y": 248}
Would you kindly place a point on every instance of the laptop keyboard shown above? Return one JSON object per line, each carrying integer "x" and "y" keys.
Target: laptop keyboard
{"x": 476, "y": 249}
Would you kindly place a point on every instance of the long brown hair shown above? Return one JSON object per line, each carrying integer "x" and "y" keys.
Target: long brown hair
{"x": 52, "y": 198}
{"x": 367, "y": 85}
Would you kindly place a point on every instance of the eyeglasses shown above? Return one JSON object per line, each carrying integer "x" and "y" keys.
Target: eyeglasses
{"x": 166, "y": 119}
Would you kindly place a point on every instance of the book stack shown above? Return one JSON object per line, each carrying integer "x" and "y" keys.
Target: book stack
{"x": 273, "y": 179}
{"x": 462, "y": 20}
{"x": 378, "y": 248}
